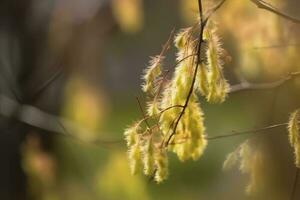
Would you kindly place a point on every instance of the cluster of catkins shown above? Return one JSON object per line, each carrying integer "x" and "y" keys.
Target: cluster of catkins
{"x": 251, "y": 159}
{"x": 160, "y": 130}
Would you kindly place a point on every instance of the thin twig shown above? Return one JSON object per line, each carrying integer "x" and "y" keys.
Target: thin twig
{"x": 143, "y": 113}
{"x": 46, "y": 84}
{"x": 161, "y": 112}
{"x": 251, "y": 131}
{"x": 245, "y": 86}
{"x": 202, "y": 26}
{"x": 37, "y": 118}
{"x": 275, "y": 46}
{"x": 214, "y": 9}
{"x": 266, "y": 6}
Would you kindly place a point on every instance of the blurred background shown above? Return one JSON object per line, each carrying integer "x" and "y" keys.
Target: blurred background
{"x": 70, "y": 74}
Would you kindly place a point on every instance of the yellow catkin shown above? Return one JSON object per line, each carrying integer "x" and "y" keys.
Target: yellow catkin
{"x": 135, "y": 156}
{"x": 175, "y": 94}
{"x": 148, "y": 157}
{"x": 293, "y": 130}
{"x": 161, "y": 163}
{"x": 245, "y": 154}
{"x": 181, "y": 39}
{"x": 250, "y": 161}
{"x": 196, "y": 126}
{"x": 256, "y": 172}
{"x": 191, "y": 131}
{"x": 231, "y": 160}
{"x": 152, "y": 108}
{"x": 131, "y": 134}
{"x": 202, "y": 80}
{"x": 152, "y": 72}
{"x": 189, "y": 141}
{"x": 218, "y": 86}
{"x": 167, "y": 117}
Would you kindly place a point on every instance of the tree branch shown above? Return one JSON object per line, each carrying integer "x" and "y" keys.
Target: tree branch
{"x": 246, "y": 132}
{"x": 264, "y": 5}
{"x": 246, "y": 86}
{"x": 202, "y": 26}
{"x": 214, "y": 9}
{"x": 35, "y": 117}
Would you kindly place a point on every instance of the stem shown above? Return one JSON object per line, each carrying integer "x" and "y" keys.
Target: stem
{"x": 252, "y": 131}
{"x": 202, "y": 25}
{"x": 264, "y": 5}
{"x": 244, "y": 86}
{"x": 143, "y": 113}
{"x": 162, "y": 111}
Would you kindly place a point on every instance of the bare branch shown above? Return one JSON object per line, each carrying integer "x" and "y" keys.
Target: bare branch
{"x": 47, "y": 83}
{"x": 246, "y": 86}
{"x": 200, "y": 39}
{"x": 246, "y": 132}
{"x": 275, "y": 46}
{"x": 214, "y": 9}
{"x": 264, "y": 5}
{"x": 37, "y": 118}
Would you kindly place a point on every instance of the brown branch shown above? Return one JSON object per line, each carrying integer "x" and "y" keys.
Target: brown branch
{"x": 143, "y": 113}
{"x": 162, "y": 111}
{"x": 276, "y": 46}
{"x": 202, "y": 26}
{"x": 166, "y": 46}
{"x": 35, "y": 117}
{"x": 246, "y": 86}
{"x": 203, "y": 23}
{"x": 214, "y": 9}
{"x": 46, "y": 84}
{"x": 264, "y": 5}
{"x": 246, "y": 132}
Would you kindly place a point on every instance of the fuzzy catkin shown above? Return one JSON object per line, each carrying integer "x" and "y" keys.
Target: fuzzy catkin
{"x": 182, "y": 37}
{"x": 293, "y": 130}
{"x": 148, "y": 157}
{"x": 218, "y": 86}
{"x": 131, "y": 134}
{"x": 161, "y": 163}
{"x": 152, "y": 108}
{"x": 191, "y": 131}
{"x": 250, "y": 161}
{"x": 202, "y": 80}
{"x": 231, "y": 160}
{"x": 174, "y": 119}
{"x": 151, "y": 73}
{"x": 135, "y": 157}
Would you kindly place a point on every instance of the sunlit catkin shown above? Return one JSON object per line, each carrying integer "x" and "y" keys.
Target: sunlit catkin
{"x": 202, "y": 80}
{"x": 189, "y": 139}
{"x": 293, "y": 130}
{"x": 135, "y": 157}
{"x": 152, "y": 108}
{"x": 148, "y": 157}
{"x": 131, "y": 134}
{"x": 231, "y": 159}
{"x": 250, "y": 161}
{"x": 151, "y": 73}
{"x": 218, "y": 86}
{"x": 174, "y": 119}
{"x": 182, "y": 38}
{"x": 161, "y": 163}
